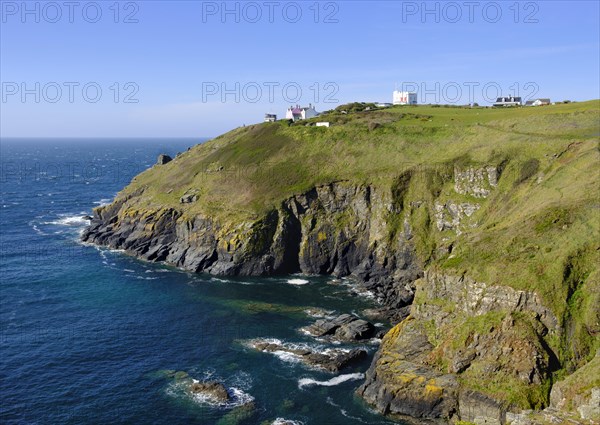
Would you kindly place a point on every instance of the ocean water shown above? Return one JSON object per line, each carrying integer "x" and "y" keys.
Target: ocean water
{"x": 89, "y": 335}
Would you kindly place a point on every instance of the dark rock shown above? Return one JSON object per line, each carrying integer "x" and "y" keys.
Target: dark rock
{"x": 332, "y": 360}
{"x": 342, "y": 328}
{"x": 355, "y": 330}
{"x": 462, "y": 360}
{"x": 478, "y": 408}
{"x": 163, "y": 159}
{"x": 211, "y": 389}
{"x": 188, "y": 198}
{"x": 239, "y": 414}
{"x": 87, "y": 217}
{"x": 380, "y": 334}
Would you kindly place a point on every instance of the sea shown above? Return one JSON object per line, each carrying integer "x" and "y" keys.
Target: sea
{"x": 90, "y": 335}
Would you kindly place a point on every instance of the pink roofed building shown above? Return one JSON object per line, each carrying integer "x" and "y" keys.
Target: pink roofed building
{"x": 301, "y": 112}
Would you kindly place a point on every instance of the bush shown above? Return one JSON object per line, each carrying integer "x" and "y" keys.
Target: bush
{"x": 528, "y": 169}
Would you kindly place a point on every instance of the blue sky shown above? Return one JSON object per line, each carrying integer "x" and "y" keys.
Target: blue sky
{"x": 178, "y": 57}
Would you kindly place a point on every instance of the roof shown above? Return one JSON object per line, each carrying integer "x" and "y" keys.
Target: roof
{"x": 508, "y": 99}
{"x": 541, "y": 100}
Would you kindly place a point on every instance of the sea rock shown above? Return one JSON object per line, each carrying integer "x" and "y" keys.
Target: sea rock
{"x": 331, "y": 359}
{"x": 163, "y": 159}
{"x": 324, "y": 327}
{"x": 212, "y": 389}
{"x": 345, "y": 328}
{"x": 355, "y": 330}
{"x": 239, "y": 414}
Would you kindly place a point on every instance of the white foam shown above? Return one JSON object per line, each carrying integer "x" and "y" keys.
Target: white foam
{"x": 37, "y": 230}
{"x": 290, "y": 357}
{"x": 319, "y": 313}
{"x": 283, "y": 421}
{"x": 286, "y": 356}
{"x": 216, "y": 279}
{"x": 69, "y": 220}
{"x": 304, "y": 382}
{"x": 297, "y": 281}
{"x": 237, "y": 396}
{"x": 102, "y": 202}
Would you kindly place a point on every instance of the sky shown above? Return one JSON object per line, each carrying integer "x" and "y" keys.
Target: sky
{"x": 200, "y": 68}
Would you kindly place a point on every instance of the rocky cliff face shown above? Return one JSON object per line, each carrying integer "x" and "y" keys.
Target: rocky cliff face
{"x": 339, "y": 229}
{"x": 428, "y": 368}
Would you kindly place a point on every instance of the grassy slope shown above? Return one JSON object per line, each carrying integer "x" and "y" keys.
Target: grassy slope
{"x": 263, "y": 163}
{"x": 539, "y": 230}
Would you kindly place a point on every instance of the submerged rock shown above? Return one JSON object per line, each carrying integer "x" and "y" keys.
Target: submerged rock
{"x": 238, "y": 414}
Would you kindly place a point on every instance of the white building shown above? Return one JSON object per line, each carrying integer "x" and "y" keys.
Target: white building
{"x": 323, "y": 124}
{"x": 507, "y": 101}
{"x": 538, "y": 102}
{"x": 270, "y": 117}
{"x": 301, "y": 113}
{"x": 404, "y": 98}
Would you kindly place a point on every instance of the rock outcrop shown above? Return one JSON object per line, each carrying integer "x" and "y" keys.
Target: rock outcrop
{"x": 344, "y": 328}
{"x": 421, "y": 362}
{"x": 212, "y": 389}
{"x": 400, "y": 382}
{"x": 163, "y": 159}
{"x": 330, "y": 359}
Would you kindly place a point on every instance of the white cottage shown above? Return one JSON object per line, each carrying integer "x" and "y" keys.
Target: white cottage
{"x": 404, "y": 98}
{"x": 301, "y": 113}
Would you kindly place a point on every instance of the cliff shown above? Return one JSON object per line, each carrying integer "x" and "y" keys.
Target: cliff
{"x": 476, "y": 229}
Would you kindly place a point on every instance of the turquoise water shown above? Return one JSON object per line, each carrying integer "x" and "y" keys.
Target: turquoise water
{"x": 88, "y": 334}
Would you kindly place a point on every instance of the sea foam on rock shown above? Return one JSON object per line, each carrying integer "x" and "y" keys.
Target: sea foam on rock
{"x": 329, "y": 359}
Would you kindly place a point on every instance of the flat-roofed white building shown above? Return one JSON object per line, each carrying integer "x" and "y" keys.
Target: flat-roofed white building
{"x": 404, "y": 98}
